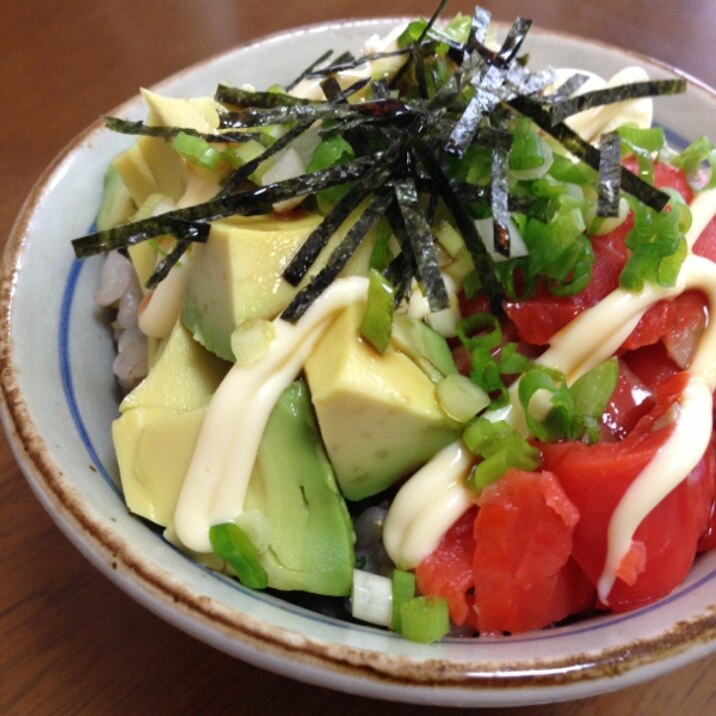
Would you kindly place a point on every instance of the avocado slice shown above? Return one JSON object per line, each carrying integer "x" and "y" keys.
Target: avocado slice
{"x": 293, "y": 486}
{"x": 378, "y": 413}
{"x": 154, "y": 447}
{"x": 117, "y": 205}
{"x": 184, "y": 376}
{"x": 236, "y": 274}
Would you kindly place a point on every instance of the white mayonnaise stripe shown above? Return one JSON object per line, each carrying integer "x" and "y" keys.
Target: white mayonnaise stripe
{"x": 427, "y": 505}
{"x": 671, "y": 464}
{"x": 686, "y": 445}
{"x": 215, "y": 485}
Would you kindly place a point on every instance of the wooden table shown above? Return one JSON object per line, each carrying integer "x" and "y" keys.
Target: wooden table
{"x": 71, "y": 642}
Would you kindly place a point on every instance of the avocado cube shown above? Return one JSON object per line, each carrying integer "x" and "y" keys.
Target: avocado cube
{"x": 378, "y": 414}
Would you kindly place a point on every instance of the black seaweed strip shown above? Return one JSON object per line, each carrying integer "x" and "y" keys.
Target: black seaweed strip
{"x": 419, "y": 62}
{"x": 123, "y": 126}
{"x": 352, "y": 89}
{"x": 363, "y": 59}
{"x": 630, "y": 183}
{"x": 237, "y": 97}
{"x": 466, "y": 226}
{"x": 480, "y": 22}
{"x": 529, "y": 83}
{"x": 609, "y": 174}
{"x": 331, "y": 88}
{"x": 422, "y": 243}
{"x": 566, "y": 89}
{"x": 257, "y": 117}
{"x": 380, "y": 89}
{"x": 485, "y": 100}
{"x": 339, "y": 258}
{"x": 399, "y": 272}
{"x": 465, "y": 127}
{"x": 238, "y": 177}
{"x": 402, "y": 269}
{"x": 171, "y": 259}
{"x": 257, "y": 200}
{"x": 342, "y": 59}
{"x": 499, "y": 202}
{"x": 610, "y": 95}
{"x": 308, "y": 252}
{"x": 309, "y": 69}
{"x": 378, "y": 109}
{"x": 515, "y": 37}
{"x": 412, "y": 51}
{"x": 243, "y": 172}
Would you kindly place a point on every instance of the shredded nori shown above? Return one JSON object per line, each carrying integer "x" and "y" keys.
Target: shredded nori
{"x": 340, "y": 256}
{"x": 314, "y": 244}
{"x": 499, "y": 202}
{"x": 609, "y": 174}
{"x": 319, "y": 61}
{"x": 564, "y": 108}
{"x": 422, "y": 244}
{"x": 123, "y": 126}
{"x": 400, "y": 167}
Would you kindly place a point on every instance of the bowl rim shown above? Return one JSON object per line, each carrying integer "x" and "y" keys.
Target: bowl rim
{"x": 272, "y": 647}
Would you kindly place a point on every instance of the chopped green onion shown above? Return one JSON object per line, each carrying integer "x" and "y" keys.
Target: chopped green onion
{"x": 500, "y": 448}
{"x": 649, "y": 139}
{"x": 196, "y": 150}
{"x": 566, "y": 412}
{"x": 692, "y": 159}
{"x": 657, "y": 244}
{"x": 460, "y": 398}
{"x": 403, "y": 584}
{"x": 449, "y": 238}
{"x": 428, "y": 349}
{"x": 485, "y": 325}
{"x": 550, "y": 419}
{"x": 331, "y": 151}
{"x": 527, "y": 151}
{"x": 425, "y": 619}
{"x": 591, "y": 393}
{"x": 372, "y": 598}
{"x": 380, "y": 255}
{"x": 231, "y": 543}
{"x": 377, "y": 322}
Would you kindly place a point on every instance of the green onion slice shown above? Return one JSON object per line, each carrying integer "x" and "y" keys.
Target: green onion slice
{"x": 377, "y": 322}
{"x": 424, "y": 619}
{"x": 231, "y": 543}
{"x": 403, "y": 584}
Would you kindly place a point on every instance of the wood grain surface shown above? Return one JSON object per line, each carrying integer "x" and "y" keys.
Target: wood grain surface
{"x": 71, "y": 642}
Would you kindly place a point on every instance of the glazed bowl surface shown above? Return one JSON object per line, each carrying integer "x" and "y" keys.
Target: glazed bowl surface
{"x": 59, "y": 399}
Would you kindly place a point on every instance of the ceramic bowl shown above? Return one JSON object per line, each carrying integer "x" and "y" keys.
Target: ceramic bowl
{"x": 60, "y": 398}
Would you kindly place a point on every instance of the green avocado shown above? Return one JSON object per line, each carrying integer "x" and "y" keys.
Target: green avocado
{"x": 160, "y": 420}
{"x": 293, "y": 486}
{"x": 183, "y": 376}
{"x": 378, "y": 413}
{"x": 310, "y": 536}
{"x": 117, "y": 205}
{"x": 236, "y": 274}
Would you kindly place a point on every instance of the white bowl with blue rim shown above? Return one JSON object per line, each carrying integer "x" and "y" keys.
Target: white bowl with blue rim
{"x": 60, "y": 398}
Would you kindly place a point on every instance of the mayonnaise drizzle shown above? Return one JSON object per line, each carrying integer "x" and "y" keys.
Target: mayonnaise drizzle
{"x": 215, "y": 484}
{"x": 425, "y": 507}
{"x": 587, "y": 341}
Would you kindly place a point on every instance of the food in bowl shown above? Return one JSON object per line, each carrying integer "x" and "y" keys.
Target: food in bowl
{"x": 409, "y": 298}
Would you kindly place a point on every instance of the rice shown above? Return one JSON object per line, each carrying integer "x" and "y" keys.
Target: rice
{"x": 120, "y": 291}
